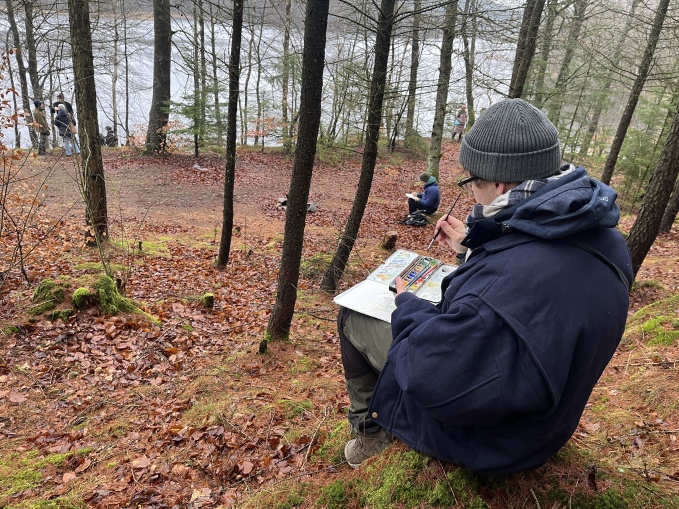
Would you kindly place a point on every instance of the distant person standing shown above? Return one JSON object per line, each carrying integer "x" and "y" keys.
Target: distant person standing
{"x": 42, "y": 128}
{"x": 65, "y": 123}
{"x": 460, "y": 122}
{"x": 109, "y": 139}
{"x": 61, "y": 100}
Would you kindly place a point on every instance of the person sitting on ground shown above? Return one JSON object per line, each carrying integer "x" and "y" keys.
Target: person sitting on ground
{"x": 496, "y": 376}
{"x": 428, "y": 200}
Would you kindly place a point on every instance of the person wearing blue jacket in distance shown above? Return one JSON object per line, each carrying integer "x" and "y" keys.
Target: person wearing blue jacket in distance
{"x": 428, "y": 200}
{"x": 496, "y": 376}
{"x": 63, "y": 121}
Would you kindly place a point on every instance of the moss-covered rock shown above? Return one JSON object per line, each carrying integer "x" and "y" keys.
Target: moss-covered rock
{"x": 60, "y": 314}
{"x": 82, "y": 298}
{"x": 47, "y": 296}
{"x": 110, "y": 300}
{"x": 208, "y": 300}
{"x": 11, "y": 329}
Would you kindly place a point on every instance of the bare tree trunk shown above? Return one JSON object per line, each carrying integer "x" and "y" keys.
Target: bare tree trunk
{"x": 375, "y": 100}
{"x": 469, "y": 55}
{"x": 315, "y": 33}
{"x": 525, "y": 46}
{"x": 25, "y": 100}
{"x": 579, "y": 6}
{"x": 601, "y": 96}
{"x": 545, "y": 50}
{"x": 31, "y": 51}
{"x": 285, "y": 77}
{"x": 156, "y": 137}
{"x": 445, "y": 66}
{"x": 232, "y": 113}
{"x": 114, "y": 75}
{"x": 671, "y": 210}
{"x": 215, "y": 79}
{"x": 414, "y": 65}
{"x": 94, "y": 184}
{"x": 647, "y": 224}
{"x": 195, "y": 69}
{"x": 127, "y": 76}
{"x": 644, "y": 69}
{"x": 258, "y": 80}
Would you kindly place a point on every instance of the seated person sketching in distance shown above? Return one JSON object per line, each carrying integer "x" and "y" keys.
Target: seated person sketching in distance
{"x": 428, "y": 200}
{"x": 496, "y": 376}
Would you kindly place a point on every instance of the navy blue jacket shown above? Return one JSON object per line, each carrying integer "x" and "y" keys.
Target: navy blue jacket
{"x": 430, "y": 197}
{"x": 62, "y": 121}
{"x": 496, "y": 376}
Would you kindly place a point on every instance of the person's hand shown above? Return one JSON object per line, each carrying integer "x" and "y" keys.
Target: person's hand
{"x": 400, "y": 286}
{"x": 452, "y": 233}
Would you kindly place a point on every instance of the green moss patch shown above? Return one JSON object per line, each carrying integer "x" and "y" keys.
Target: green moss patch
{"x": 656, "y": 324}
{"x": 21, "y": 472}
{"x": 47, "y": 296}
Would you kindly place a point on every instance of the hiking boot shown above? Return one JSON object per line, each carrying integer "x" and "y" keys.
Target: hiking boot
{"x": 364, "y": 446}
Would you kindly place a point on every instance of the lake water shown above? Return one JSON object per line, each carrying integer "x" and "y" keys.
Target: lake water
{"x": 493, "y": 60}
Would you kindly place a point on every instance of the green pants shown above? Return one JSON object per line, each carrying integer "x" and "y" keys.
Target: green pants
{"x": 364, "y": 342}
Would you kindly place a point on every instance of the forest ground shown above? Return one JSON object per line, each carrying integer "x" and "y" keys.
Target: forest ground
{"x": 117, "y": 411}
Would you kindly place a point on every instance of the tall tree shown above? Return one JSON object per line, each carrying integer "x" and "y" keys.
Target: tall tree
{"x": 25, "y": 100}
{"x": 642, "y": 75}
{"x": 339, "y": 261}
{"x": 93, "y": 182}
{"x": 159, "y": 114}
{"x": 285, "y": 77}
{"x": 31, "y": 51}
{"x": 547, "y": 39}
{"x": 469, "y": 31}
{"x": 647, "y": 224}
{"x": 115, "y": 65}
{"x": 232, "y": 112}
{"x": 525, "y": 46}
{"x": 603, "y": 91}
{"x": 579, "y": 8}
{"x": 414, "y": 66}
{"x": 313, "y": 61}
{"x": 445, "y": 67}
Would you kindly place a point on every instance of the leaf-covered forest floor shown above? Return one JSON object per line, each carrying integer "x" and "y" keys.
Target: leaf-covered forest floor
{"x": 122, "y": 411}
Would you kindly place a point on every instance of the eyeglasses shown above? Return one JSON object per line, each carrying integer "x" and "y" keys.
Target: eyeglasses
{"x": 468, "y": 180}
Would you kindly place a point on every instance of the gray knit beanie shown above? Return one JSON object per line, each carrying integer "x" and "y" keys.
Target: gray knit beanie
{"x": 511, "y": 141}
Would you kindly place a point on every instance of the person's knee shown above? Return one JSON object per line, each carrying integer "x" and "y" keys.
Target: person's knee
{"x": 354, "y": 362}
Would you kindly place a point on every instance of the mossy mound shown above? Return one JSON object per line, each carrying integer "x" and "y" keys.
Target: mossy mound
{"x": 54, "y": 300}
{"x": 102, "y": 292}
{"x": 47, "y": 296}
{"x": 654, "y": 325}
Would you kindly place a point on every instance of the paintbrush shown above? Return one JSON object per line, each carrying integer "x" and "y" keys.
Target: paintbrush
{"x": 436, "y": 233}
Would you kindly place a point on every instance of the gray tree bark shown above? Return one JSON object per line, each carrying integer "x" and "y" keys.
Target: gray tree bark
{"x": 159, "y": 114}
{"x": 313, "y": 62}
{"x": 525, "y": 46}
{"x": 642, "y": 75}
{"x": 93, "y": 181}
{"x": 375, "y": 100}
{"x": 232, "y": 112}
{"x": 445, "y": 66}
{"x": 647, "y": 224}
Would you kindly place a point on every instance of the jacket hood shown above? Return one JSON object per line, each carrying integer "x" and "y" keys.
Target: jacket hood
{"x": 566, "y": 206}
